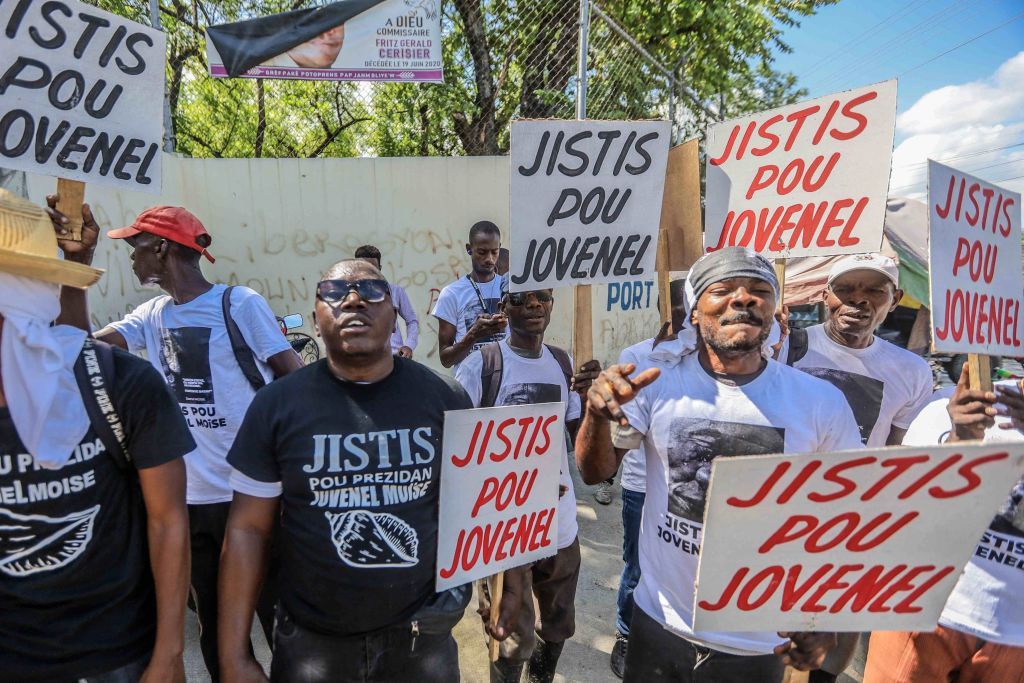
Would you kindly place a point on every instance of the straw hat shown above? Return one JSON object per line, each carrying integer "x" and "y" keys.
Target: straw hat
{"x": 28, "y": 246}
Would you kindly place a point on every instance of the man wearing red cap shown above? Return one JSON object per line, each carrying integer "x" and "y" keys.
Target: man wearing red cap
{"x": 186, "y": 336}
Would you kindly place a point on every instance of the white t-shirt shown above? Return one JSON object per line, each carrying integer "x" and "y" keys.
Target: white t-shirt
{"x": 634, "y": 469}
{"x": 987, "y": 601}
{"x": 189, "y": 345}
{"x": 459, "y": 304}
{"x": 886, "y": 386}
{"x": 688, "y": 417}
{"x": 524, "y": 381}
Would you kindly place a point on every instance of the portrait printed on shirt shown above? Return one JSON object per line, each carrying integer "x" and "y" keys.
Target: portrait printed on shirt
{"x": 1010, "y": 518}
{"x": 185, "y": 361}
{"x": 529, "y": 394}
{"x": 863, "y": 394}
{"x": 695, "y": 442}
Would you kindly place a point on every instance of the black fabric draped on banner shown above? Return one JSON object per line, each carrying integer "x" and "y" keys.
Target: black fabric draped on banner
{"x": 245, "y": 44}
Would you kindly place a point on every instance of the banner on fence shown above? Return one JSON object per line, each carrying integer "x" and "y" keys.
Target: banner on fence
{"x": 585, "y": 201}
{"x": 499, "y": 490}
{"x": 809, "y": 179}
{"x": 856, "y": 541}
{"x": 351, "y": 40}
{"x": 974, "y": 252}
{"x": 81, "y": 94}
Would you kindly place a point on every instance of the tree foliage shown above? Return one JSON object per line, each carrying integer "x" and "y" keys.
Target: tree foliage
{"x": 502, "y": 59}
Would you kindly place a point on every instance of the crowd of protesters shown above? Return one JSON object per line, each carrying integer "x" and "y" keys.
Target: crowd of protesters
{"x": 133, "y": 489}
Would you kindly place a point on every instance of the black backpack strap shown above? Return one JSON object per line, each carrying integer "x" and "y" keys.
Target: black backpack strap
{"x": 94, "y": 372}
{"x": 243, "y": 354}
{"x": 797, "y": 346}
{"x": 490, "y": 374}
{"x": 562, "y": 357}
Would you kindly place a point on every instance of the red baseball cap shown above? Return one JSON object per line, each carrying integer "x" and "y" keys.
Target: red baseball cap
{"x": 170, "y": 222}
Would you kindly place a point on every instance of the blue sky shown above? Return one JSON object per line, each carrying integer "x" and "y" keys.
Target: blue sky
{"x": 954, "y": 105}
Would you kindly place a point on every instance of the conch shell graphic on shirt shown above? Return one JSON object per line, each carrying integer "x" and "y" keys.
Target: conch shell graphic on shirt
{"x": 373, "y": 539}
{"x": 36, "y": 543}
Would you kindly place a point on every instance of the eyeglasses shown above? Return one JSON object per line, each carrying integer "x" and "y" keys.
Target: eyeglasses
{"x": 519, "y": 298}
{"x": 335, "y": 291}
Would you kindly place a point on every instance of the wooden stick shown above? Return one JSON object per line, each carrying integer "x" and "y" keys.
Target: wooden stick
{"x": 583, "y": 331}
{"x": 780, "y": 274}
{"x": 981, "y": 371}
{"x": 664, "y": 298}
{"x": 495, "y": 586}
{"x": 69, "y": 202}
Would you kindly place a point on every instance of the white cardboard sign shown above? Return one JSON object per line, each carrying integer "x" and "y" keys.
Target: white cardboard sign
{"x": 809, "y": 179}
{"x": 81, "y": 94}
{"x": 974, "y": 250}
{"x": 499, "y": 490}
{"x": 855, "y": 541}
{"x": 586, "y": 201}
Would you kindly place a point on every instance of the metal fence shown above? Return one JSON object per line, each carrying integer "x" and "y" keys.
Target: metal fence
{"x": 503, "y": 59}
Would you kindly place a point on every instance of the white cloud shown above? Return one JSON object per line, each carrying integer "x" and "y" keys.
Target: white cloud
{"x": 978, "y": 127}
{"x": 979, "y": 102}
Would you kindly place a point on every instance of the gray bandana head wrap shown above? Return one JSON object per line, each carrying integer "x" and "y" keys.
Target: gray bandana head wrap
{"x": 727, "y": 263}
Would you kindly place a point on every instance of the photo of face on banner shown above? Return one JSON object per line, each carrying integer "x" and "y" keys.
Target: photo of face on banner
{"x": 319, "y": 53}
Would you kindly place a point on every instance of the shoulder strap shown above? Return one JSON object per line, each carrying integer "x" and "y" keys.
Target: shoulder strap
{"x": 243, "y": 354}
{"x": 94, "y": 372}
{"x": 490, "y": 374}
{"x": 563, "y": 362}
{"x": 797, "y": 346}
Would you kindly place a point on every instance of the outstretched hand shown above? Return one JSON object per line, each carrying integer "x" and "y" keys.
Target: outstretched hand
{"x": 74, "y": 250}
{"x": 614, "y": 388}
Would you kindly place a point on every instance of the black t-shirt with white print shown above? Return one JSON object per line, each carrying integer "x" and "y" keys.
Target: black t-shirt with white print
{"x": 358, "y": 469}
{"x": 76, "y": 588}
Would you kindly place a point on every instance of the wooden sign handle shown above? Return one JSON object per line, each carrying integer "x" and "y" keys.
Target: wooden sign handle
{"x": 495, "y": 586}
{"x": 981, "y": 371}
{"x": 71, "y": 196}
{"x": 780, "y": 275}
{"x": 583, "y": 331}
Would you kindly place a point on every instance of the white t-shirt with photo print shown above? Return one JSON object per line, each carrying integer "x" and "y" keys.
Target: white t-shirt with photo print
{"x": 459, "y": 304}
{"x": 525, "y": 381}
{"x": 189, "y": 344}
{"x": 886, "y": 386}
{"x": 683, "y": 419}
{"x": 986, "y": 601}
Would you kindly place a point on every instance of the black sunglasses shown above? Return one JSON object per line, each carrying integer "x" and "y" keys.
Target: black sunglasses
{"x": 335, "y": 291}
{"x": 519, "y": 298}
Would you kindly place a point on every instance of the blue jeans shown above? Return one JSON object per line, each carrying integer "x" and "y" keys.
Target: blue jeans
{"x": 632, "y": 508}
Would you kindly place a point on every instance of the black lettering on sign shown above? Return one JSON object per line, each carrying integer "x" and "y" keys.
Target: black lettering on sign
{"x": 617, "y": 256}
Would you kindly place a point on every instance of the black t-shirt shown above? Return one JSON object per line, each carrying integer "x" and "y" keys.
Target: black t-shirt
{"x": 359, "y": 465}
{"x": 76, "y": 590}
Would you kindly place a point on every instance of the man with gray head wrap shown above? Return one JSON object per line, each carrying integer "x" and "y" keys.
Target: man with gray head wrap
{"x": 721, "y": 397}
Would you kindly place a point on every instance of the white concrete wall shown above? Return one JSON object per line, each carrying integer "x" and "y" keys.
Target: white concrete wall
{"x": 277, "y": 223}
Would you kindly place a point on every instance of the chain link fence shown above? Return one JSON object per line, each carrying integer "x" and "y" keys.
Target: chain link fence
{"x": 503, "y": 59}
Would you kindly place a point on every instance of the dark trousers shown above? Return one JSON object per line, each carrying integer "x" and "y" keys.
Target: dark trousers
{"x": 632, "y": 509}
{"x": 656, "y": 655}
{"x": 207, "y": 525}
{"x": 129, "y": 673}
{"x": 303, "y": 656}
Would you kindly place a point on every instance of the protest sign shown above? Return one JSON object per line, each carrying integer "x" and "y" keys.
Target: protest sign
{"x": 975, "y": 264}
{"x": 862, "y": 540}
{"x": 81, "y": 94}
{"x": 585, "y": 201}
{"x": 809, "y": 179}
{"x": 351, "y": 40}
{"x": 499, "y": 490}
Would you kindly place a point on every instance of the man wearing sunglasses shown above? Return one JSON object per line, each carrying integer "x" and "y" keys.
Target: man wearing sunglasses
{"x": 517, "y": 371}
{"x": 185, "y": 336}
{"x": 467, "y": 309}
{"x": 346, "y": 452}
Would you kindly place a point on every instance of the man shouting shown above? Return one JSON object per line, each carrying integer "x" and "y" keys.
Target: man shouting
{"x": 721, "y": 397}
